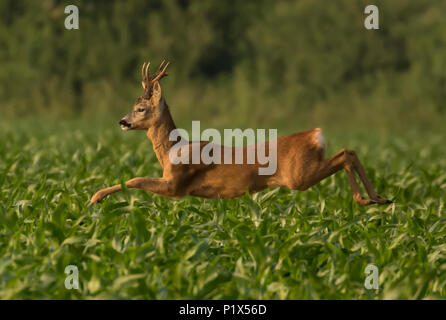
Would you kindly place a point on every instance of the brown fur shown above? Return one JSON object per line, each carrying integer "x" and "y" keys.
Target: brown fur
{"x": 301, "y": 160}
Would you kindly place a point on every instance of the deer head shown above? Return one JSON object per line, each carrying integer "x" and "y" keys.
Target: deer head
{"x": 149, "y": 107}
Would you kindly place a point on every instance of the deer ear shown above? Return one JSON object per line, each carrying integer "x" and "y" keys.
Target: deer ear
{"x": 156, "y": 92}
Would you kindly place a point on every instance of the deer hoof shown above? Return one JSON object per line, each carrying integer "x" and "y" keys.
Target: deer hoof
{"x": 97, "y": 197}
{"x": 363, "y": 201}
{"x": 93, "y": 202}
{"x": 382, "y": 200}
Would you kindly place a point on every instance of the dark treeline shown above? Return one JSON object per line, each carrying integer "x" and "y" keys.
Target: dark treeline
{"x": 245, "y": 63}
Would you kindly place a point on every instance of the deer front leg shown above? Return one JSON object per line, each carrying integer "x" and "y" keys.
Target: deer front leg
{"x": 155, "y": 185}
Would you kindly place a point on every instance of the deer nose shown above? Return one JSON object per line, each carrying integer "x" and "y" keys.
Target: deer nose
{"x": 124, "y": 124}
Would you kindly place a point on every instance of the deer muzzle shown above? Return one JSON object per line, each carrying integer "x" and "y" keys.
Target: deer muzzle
{"x": 124, "y": 124}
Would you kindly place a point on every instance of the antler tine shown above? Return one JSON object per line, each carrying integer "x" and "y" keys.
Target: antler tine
{"x": 147, "y": 71}
{"x": 142, "y": 71}
{"x": 161, "y": 65}
{"x": 161, "y": 71}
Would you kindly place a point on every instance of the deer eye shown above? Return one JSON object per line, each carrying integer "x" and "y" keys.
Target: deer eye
{"x": 141, "y": 109}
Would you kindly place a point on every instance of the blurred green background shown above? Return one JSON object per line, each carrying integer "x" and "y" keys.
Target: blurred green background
{"x": 286, "y": 64}
{"x": 290, "y": 65}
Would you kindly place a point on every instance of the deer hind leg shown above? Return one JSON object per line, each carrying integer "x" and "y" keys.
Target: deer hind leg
{"x": 155, "y": 185}
{"x": 345, "y": 160}
{"x": 359, "y": 168}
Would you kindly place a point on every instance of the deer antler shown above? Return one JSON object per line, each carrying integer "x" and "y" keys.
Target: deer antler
{"x": 145, "y": 72}
{"x": 150, "y": 80}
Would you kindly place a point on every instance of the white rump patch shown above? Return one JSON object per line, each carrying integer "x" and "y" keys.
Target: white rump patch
{"x": 320, "y": 139}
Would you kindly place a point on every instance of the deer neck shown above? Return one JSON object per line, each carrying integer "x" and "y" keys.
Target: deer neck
{"x": 159, "y": 135}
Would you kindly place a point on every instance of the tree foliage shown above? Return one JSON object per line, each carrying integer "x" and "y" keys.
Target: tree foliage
{"x": 262, "y": 61}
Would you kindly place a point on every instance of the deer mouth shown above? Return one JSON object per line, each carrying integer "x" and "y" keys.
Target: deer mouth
{"x": 125, "y": 125}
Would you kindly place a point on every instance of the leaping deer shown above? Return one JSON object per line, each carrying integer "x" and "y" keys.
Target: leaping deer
{"x": 301, "y": 159}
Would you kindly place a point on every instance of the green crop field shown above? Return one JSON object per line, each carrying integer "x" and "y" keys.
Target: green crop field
{"x": 277, "y": 244}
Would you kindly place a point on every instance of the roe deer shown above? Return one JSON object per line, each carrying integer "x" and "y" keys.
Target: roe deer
{"x": 300, "y": 159}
